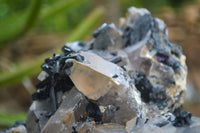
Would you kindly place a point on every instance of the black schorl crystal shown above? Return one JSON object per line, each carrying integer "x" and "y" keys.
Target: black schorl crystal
{"x": 74, "y": 130}
{"x": 116, "y": 59}
{"x": 93, "y": 111}
{"x": 162, "y": 123}
{"x": 100, "y": 30}
{"x": 159, "y": 97}
{"x": 184, "y": 118}
{"x": 144, "y": 86}
{"x": 176, "y": 50}
{"x": 174, "y": 64}
{"x": 181, "y": 118}
{"x": 150, "y": 93}
{"x": 133, "y": 34}
{"x": 115, "y": 76}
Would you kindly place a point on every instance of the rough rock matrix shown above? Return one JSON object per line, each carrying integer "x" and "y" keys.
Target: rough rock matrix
{"x": 127, "y": 79}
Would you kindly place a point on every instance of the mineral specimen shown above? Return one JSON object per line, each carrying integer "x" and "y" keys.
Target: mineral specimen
{"x": 127, "y": 79}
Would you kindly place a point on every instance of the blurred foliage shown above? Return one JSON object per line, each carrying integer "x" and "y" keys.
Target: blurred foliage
{"x": 62, "y": 16}
{"x": 7, "y": 119}
{"x": 10, "y": 7}
{"x": 19, "y": 23}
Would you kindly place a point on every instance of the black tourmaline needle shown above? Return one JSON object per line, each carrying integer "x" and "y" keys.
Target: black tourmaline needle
{"x": 116, "y": 59}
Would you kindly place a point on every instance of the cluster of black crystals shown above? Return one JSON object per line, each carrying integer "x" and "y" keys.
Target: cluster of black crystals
{"x": 58, "y": 77}
{"x": 151, "y": 94}
{"x": 148, "y": 92}
{"x": 58, "y": 81}
{"x": 182, "y": 118}
{"x": 144, "y": 86}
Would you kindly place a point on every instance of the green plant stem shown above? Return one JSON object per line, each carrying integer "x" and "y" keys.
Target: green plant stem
{"x": 33, "y": 15}
{"x": 18, "y": 73}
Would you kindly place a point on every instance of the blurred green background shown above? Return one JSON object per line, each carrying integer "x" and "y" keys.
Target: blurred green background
{"x": 31, "y": 30}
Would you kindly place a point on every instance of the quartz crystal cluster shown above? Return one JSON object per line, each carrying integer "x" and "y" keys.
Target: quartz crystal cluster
{"x": 127, "y": 79}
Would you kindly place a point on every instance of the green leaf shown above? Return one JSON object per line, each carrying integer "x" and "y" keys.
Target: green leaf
{"x": 30, "y": 68}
